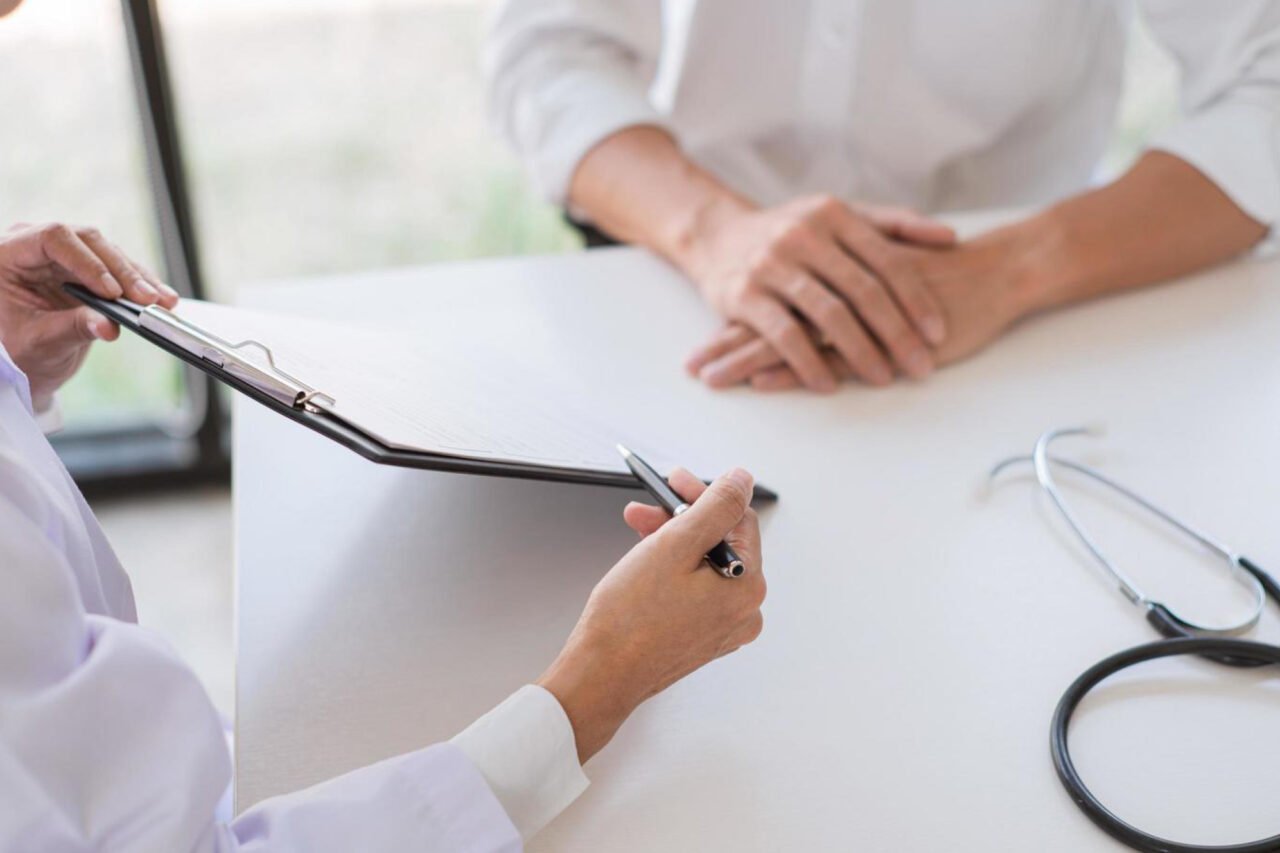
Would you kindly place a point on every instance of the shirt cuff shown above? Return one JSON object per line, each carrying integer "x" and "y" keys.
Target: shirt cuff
{"x": 50, "y": 419}
{"x": 1236, "y": 144}
{"x": 564, "y": 120}
{"x": 526, "y": 752}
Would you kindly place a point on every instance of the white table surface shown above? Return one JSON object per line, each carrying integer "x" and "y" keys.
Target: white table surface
{"x": 919, "y": 630}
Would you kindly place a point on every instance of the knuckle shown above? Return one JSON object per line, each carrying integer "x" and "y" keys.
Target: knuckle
{"x": 56, "y": 232}
{"x": 787, "y": 334}
{"x": 89, "y": 234}
{"x": 824, "y": 204}
{"x": 832, "y": 315}
{"x": 716, "y": 502}
{"x": 734, "y": 496}
{"x": 762, "y": 265}
{"x": 796, "y": 288}
{"x": 793, "y": 238}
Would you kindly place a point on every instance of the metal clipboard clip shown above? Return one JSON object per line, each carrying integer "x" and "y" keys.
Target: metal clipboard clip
{"x": 270, "y": 380}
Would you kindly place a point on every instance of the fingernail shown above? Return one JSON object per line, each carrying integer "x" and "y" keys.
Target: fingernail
{"x": 113, "y": 286}
{"x": 169, "y": 291}
{"x": 714, "y": 378}
{"x": 935, "y": 331}
{"x": 146, "y": 289}
{"x": 741, "y": 478}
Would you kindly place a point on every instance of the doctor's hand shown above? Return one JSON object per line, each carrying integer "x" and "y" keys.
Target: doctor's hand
{"x": 661, "y": 612}
{"x": 819, "y": 268}
{"x": 983, "y": 287}
{"x": 45, "y": 331}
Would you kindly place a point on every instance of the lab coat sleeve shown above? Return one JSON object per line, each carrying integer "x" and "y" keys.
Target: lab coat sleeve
{"x": 562, "y": 75}
{"x": 430, "y": 800}
{"x": 522, "y": 752}
{"x": 109, "y": 743}
{"x": 1229, "y": 57}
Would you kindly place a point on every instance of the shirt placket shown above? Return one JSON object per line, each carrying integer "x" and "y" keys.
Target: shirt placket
{"x": 827, "y": 81}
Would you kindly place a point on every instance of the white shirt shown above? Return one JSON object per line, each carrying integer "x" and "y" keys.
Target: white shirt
{"x": 108, "y": 742}
{"x": 935, "y": 104}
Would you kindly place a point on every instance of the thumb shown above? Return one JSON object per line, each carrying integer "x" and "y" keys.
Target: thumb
{"x": 909, "y": 226}
{"x": 926, "y": 232}
{"x": 716, "y": 511}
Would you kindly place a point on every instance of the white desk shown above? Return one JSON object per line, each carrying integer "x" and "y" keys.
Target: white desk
{"x": 918, "y": 634}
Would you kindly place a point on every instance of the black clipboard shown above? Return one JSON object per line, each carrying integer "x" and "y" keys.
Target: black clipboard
{"x": 128, "y": 316}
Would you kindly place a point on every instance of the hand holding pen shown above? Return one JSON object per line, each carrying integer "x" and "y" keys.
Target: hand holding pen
{"x": 720, "y": 555}
{"x": 660, "y": 613}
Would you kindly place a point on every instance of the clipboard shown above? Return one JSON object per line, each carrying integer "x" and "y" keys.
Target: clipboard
{"x": 299, "y": 402}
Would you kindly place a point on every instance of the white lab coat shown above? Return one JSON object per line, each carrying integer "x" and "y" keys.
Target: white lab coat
{"x": 108, "y": 742}
{"x": 936, "y": 104}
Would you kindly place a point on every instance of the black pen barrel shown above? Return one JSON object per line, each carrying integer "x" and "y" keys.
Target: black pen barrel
{"x": 723, "y": 559}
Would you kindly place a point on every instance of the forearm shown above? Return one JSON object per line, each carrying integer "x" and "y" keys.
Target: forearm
{"x": 640, "y": 188}
{"x": 1160, "y": 220}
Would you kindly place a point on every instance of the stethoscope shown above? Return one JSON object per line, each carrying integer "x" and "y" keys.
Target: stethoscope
{"x": 1220, "y": 644}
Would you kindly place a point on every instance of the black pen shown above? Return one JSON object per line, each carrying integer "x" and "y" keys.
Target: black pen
{"x": 721, "y": 557}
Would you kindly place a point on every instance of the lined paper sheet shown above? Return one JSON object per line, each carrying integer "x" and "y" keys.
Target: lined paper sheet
{"x": 412, "y": 395}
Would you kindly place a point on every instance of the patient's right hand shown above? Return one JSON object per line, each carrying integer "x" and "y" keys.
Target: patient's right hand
{"x": 661, "y": 612}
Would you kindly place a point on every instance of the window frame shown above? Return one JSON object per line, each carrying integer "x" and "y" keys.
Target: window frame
{"x": 126, "y": 458}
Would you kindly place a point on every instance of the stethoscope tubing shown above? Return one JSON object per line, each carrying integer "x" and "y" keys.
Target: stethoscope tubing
{"x": 1214, "y": 648}
{"x": 1181, "y": 637}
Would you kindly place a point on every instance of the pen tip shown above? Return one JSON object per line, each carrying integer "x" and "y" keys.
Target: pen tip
{"x": 623, "y": 450}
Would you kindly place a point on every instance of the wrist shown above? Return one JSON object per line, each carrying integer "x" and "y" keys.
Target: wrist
{"x": 584, "y": 680}
{"x": 1047, "y": 263}
{"x": 1037, "y": 260}
{"x": 690, "y": 240}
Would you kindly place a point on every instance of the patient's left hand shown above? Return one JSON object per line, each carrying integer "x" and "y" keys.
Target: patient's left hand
{"x": 981, "y": 285}
{"x": 45, "y": 331}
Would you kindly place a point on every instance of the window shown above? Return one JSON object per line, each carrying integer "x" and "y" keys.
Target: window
{"x": 73, "y": 152}
{"x": 340, "y": 135}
